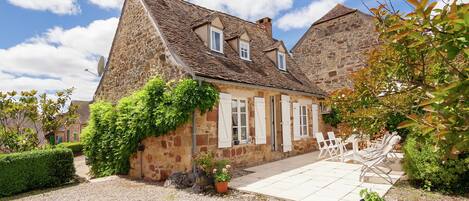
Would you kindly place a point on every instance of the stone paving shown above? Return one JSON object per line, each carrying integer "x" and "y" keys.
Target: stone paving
{"x": 315, "y": 180}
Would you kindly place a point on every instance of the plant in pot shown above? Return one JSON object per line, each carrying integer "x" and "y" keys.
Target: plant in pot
{"x": 222, "y": 176}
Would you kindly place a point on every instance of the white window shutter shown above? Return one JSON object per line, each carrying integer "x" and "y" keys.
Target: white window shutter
{"x": 296, "y": 121}
{"x": 224, "y": 121}
{"x": 315, "y": 119}
{"x": 286, "y": 123}
{"x": 259, "y": 119}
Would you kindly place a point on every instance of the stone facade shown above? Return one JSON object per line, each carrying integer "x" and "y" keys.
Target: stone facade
{"x": 138, "y": 53}
{"x": 331, "y": 50}
{"x": 166, "y": 154}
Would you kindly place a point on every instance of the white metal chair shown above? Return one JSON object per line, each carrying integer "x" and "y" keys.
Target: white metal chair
{"x": 325, "y": 145}
{"x": 376, "y": 163}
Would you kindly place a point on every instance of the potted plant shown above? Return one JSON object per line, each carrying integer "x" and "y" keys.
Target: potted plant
{"x": 222, "y": 176}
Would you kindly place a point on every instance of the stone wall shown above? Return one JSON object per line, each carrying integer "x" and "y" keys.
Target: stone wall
{"x": 331, "y": 50}
{"x": 130, "y": 66}
{"x": 170, "y": 153}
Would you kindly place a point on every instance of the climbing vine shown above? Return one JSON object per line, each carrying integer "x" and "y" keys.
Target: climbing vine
{"x": 114, "y": 131}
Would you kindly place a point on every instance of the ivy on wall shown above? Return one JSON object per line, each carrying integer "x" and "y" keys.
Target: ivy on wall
{"x": 114, "y": 131}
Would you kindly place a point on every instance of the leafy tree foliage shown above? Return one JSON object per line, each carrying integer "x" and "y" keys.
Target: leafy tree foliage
{"x": 114, "y": 131}
{"x": 420, "y": 72}
{"x": 23, "y": 115}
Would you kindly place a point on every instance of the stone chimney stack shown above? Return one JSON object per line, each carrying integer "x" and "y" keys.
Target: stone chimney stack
{"x": 266, "y": 24}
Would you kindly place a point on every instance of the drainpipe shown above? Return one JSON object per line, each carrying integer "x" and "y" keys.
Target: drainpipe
{"x": 194, "y": 138}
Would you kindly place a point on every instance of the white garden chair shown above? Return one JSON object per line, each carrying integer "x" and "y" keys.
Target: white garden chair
{"x": 336, "y": 141}
{"x": 325, "y": 145}
{"x": 376, "y": 163}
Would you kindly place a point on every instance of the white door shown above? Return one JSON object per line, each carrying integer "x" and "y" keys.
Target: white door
{"x": 286, "y": 123}
{"x": 315, "y": 119}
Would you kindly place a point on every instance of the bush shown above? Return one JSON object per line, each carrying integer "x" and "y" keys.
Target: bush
{"x": 425, "y": 168}
{"x": 25, "y": 171}
{"x": 114, "y": 131}
{"x": 370, "y": 195}
{"x": 76, "y": 147}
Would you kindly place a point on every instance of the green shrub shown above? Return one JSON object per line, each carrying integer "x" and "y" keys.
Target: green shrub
{"x": 114, "y": 131}
{"x": 370, "y": 195}
{"x": 76, "y": 147}
{"x": 25, "y": 171}
{"x": 426, "y": 167}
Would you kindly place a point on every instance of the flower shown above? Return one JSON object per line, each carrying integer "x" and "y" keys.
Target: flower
{"x": 215, "y": 170}
{"x": 224, "y": 170}
{"x": 228, "y": 166}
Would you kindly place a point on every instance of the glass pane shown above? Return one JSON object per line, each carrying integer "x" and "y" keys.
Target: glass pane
{"x": 304, "y": 110}
{"x": 243, "y": 133}
{"x": 234, "y": 106}
{"x": 243, "y": 119}
{"x": 215, "y": 40}
{"x": 235, "y": 119}
{"x": 235, "y": 133}
{"x": 242, "y": 105}
{"x": 304, "y": 130}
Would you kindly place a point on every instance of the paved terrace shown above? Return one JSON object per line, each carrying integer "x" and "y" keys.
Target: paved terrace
{"x": 305, "y": 177}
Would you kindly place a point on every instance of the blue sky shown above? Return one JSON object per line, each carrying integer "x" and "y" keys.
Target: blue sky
{"x": 47, "y": 44}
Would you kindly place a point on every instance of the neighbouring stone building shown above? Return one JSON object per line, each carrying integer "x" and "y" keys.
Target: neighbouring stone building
{"x": 268, "y": 108}
{"x": 72, "y": 132}
{"x": 334, "y": 46}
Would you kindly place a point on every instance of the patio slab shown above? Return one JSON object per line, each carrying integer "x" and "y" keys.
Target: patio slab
{"x": 305, "y": 177}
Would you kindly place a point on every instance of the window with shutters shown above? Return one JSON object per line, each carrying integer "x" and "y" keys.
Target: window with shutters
{"x": 239, "y": 116}
{"x": 303, "y": 120}
{"x": 281, "y": 62}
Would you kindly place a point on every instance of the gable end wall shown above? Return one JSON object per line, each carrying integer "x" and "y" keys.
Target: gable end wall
{"x": 138, "y": 54}
{"x": 331, "y": 50}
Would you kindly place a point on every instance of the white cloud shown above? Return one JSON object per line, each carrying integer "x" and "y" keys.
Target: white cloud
{"x": 108, "y": 4}
{"x": 56, "y": 60}
{"x": 304, "y": 17}
{"x": 442, "y": 3}
{"x": 247, "y": 9}
{"x": 61, "y": 7}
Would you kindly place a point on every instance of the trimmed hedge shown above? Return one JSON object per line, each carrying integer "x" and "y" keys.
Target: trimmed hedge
{"x": 76, "y": 147}
{"x": 20, "y": 172}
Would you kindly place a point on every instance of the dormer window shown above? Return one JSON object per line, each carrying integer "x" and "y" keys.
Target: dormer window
{"x": 244, "y": 51}
{"x": 281, "y": 61}
{"x": 216, "y": 39}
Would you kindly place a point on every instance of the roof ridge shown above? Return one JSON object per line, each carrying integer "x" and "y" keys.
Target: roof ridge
{"x": 223, "y": 13}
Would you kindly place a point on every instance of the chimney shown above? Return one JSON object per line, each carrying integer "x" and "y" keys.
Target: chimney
{"x": 266, "y": 24}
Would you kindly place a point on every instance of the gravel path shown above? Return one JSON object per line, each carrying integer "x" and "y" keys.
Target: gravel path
{"x": 80, "y": 167}
{"x": 116, "y": 188}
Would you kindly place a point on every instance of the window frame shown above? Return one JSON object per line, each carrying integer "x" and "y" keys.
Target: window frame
{"x": 212, "y": 38}
{"x": 283, "y": 65}
{"x": 303, "y": 120}
{"x": 239, "y": 125}
{"x": 248, "y": 50}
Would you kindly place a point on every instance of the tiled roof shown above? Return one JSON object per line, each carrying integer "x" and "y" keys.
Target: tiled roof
{"x": 83, "y": 110}
{"x": 338, "y": 11}
{"x": 176, "y": 20}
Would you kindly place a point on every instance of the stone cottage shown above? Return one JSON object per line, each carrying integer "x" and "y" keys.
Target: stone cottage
{"x": 268, "y": 109}
{"x": 71, "y": 133}
{"x": 334, "y": 46}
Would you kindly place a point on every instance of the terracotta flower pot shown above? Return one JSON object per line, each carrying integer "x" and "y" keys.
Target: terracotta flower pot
{"x": 221, "y": 187}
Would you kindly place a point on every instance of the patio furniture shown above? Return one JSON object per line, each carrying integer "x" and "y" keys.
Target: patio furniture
{"x": 376, "y": 163}
{"x": 325, "y": 145}
{"x": 337, "y": 141}
{"x": 376, "y": 147}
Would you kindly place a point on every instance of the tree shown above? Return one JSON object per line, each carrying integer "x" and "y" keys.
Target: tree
{"x": 419, "y": 71}
{"x": 23, "y": 116}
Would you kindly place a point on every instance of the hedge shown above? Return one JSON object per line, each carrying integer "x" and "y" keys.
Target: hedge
{"x": 20, "y": 172}
{"x": 76, "y": 147}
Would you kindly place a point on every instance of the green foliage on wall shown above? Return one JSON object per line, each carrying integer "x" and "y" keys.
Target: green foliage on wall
{"x": 35, "y": 169}
{"x": 114, "y": 131}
